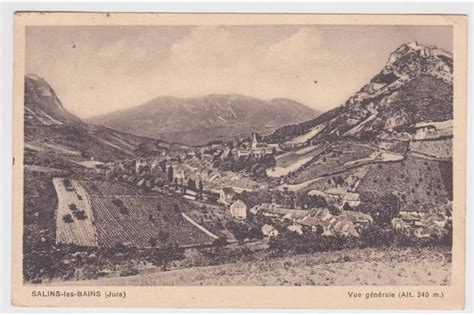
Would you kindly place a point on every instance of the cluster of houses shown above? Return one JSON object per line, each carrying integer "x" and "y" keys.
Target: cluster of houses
{"x": 256, "y": 149}
{"x": 333, "y": 195}
{"x": 424, "y": 223}
{"x": 317, "y": 220}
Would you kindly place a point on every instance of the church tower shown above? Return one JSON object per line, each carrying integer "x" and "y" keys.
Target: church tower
{"x": 254, "y": 142}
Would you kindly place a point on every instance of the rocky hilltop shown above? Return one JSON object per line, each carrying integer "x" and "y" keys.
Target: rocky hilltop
{"x": 53, "y": 133}
{"x": 414, "y": 86}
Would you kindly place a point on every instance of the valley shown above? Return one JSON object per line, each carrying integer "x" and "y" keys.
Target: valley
{"x": 264, "y": 189}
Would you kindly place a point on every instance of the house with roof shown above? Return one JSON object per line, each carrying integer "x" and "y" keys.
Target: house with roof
{"x": 268, "y": 230}
{"x": 271, "y": 209}
{"x": 238, "y": 210}
{"x": 313, "y": 224}
{"x": 345, "y": 228}
{"x": 330, "y": 197}
{"x": 226, "y": 195}
{"x": 140, "y": 164}
{"x": 399, "y": 225}
{"x": 295, "y": 228}
{"x": 352, "y": 199}
{"x": 190, "y": 194}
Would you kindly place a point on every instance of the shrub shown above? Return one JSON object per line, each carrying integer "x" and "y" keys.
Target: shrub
{"x": 123, "y": 211}
{"x": 153, "y": 242}
{"x": 381, "y": 208}
{"x": 131, "y": 271}
{"x": 118, "y": 203}
{"x": 67, "y": 182}
{"x": 67, "y": 218}
{"x": 80, "y": 214}
{"x": 293, "y": 243}
{"x": 163, "y": 256}
{"x": 347, "y": 207}
{"x": 334, "y": 210}
{"x": 375, "y": 236}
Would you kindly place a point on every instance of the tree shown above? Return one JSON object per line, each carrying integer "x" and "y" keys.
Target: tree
{"x": 381, "y": 208}
{"x": 201, "y": 189}
{"x": 191, "y": 184}
{"x": 239, "y": 230}
{"x": 218, "y": 244}
{"x": 163, "y": 166}
{"x": 347, "y": 207}
{"x": 176, "y": 208}
{"x": 334, "y": 210}
{"x": 67, "y": 182}
{"x": 170, "y": 174}
{"x": 167, "y": 253}
{"x": 308, "y": 201}
{"x": 375, "y": 236}
{"x": 67, "y": 218}
{"x": 339, "y": 180}
{"x": 319, "y": 229}
{"x": 153, "y": 242}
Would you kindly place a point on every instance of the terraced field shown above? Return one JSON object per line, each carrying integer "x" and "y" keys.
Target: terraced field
{"x": 293, "y": 160}
{"x": 290, "y": 157}
{"x": 420, "y": 181}
{"x": 440, "y": 148}
{"x": 332, "y": 162}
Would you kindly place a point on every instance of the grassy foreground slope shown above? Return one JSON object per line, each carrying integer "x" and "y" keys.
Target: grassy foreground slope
{"x": 411, "y": 266}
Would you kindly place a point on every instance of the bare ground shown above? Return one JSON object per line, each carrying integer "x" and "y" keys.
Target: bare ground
{"x": 428, "y": 266}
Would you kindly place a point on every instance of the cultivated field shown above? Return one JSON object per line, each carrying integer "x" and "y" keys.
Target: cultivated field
{"x": 113, "y": 214}
{"x": 421, "y": 182}
{"x": 79, "y": 230}
{"x": 332, "y": 161}
{"x": 427, "y": 266}
{"x": 142, "y": 219}
{"x": 440, "y": 148}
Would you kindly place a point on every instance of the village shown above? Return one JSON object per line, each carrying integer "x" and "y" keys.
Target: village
{"x": 213, "y": 176}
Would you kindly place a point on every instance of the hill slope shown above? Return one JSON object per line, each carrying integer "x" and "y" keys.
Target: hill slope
{"x": 51, "y": 129}
{"x": 393, "y": 136}
{"x": 370, "y": 266}
{"x": 198, "y": 120}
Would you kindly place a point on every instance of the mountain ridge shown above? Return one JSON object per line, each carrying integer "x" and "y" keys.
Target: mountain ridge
{"x": 200, "y": 120}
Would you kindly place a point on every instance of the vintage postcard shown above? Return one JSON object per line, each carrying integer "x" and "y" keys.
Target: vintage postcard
{"x": 239, "y": 161}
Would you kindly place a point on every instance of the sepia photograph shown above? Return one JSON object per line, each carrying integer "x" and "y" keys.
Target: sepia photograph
{"x": 238, "y": 154}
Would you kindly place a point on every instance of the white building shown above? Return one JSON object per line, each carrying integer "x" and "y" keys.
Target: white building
{"x": 269, "y": 230}
{"x": 238, "y": 210}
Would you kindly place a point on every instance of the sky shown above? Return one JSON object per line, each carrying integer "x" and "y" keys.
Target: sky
{"x": 100, "y": 69}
